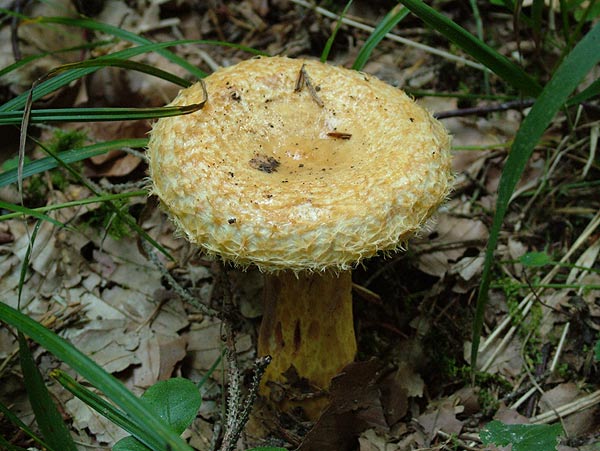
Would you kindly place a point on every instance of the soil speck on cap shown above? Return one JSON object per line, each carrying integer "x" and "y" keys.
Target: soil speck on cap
{"x": 265, "y": 163}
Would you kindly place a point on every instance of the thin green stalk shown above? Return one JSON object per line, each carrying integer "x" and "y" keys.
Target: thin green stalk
{"x": 329, "y": 43}
{"x": 96, "y": 114}
{"x": 391, "y": 19}
{"x": 68, "y": 157}
{"x": 22, "y": 427}
{"x": 481, "y": 36}
{"x": 24, "y": 211}
{"x": 77, "y": 203}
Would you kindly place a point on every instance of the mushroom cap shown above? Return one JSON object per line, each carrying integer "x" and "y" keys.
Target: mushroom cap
{"x": 292, "y": 173}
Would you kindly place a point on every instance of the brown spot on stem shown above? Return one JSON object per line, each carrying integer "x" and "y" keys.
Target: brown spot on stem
{"x": 297, "y": 336}
{"x": 279, "y": 341}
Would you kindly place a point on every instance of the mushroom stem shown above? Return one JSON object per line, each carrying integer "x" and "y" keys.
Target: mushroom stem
{"x": 307, "y": 323}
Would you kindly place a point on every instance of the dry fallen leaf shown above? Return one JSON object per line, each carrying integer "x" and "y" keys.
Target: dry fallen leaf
{"x": 444, "y": 419}
{"x": 453, "y": 235}
{"x": 355, "y": 406}
{"x": 578, "y": 423}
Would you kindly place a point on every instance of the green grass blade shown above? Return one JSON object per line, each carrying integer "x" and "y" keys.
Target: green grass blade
{"x": 100, "y": 405}
{"x": 68, "y": 157}
{"x": 22, "y": 427}
{"x": 31, "y": 58}
{"x": 391, "y": 19}
{"x": 162, "y": 435}
{"x": 329, "y": 43}
{"x": 61, "y": 80}
{"x": 96, "y": 114}
{"x": 589, "y": 92}
{"x": 567, "y": 77}
{"x": 497, "y": 63}
{"x": 123, "y": 64}
{"x": 80, "y": 202}
{"x": 47, "y": 416}
{"x": 31, "y": 212}
{"x": 91, "y": 24}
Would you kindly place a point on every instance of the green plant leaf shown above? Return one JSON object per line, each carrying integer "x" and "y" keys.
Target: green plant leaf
{"x": 267, "y": 448}
{"x": 522, "y": 437}
{"x": 567, "y": 77}
{"x": 47, "y": 416}
{"x": 175, "y": 400}
{"x": 68, "y": 157}
{"x": 597, "y": 351}
{"x": 161, "y": 436}
{"x": 535, "y": 259}
{"x": 391, "y": 19}
{"x": 483, "y": 53}
{"x": 130, "y": 443}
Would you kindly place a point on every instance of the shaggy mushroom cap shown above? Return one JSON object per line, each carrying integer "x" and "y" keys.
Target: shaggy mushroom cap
{"x": 298, "y": 165}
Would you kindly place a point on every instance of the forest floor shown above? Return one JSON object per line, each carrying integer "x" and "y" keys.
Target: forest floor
{"x": 414, "y": 310}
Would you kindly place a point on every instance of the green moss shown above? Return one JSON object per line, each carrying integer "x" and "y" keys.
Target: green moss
{"x": 107, "y": 219}
{"x": 66, "y": 139}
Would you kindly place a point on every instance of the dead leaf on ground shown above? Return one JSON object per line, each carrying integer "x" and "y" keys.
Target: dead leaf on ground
{"x": 578, "y": 423}
{"x": 452, "y": 236}
{"x": 355, "y": 406}
{"x": 443, "y": 419}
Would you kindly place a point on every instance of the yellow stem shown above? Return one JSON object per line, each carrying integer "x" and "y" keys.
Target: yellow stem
{"x": 307, "y": 323}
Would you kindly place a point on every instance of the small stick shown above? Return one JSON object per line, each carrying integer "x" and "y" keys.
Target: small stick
{"x": 391, "y": 36}
{"x": 260, "y": 365}
{"x": 567, "y": 409}
{"x": 234, "y": 393}
{"x": 185, "y": 295}
{"x": 485, "y": 109}
{"x": 304, "y": 79}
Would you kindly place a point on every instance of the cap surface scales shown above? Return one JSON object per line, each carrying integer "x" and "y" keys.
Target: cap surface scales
{"x": 295, "y": 164}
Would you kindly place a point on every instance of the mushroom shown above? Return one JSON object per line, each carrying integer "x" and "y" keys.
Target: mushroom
{"x": 303, "y": 170}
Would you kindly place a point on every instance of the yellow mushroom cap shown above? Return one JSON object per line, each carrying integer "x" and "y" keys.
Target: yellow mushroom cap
{"x": 295, "y": 164}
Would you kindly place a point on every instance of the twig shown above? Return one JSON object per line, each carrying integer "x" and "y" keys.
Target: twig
{"x": 304, "y": 80}
{"x": 457, "y": 441}
{"x": 485, "y": 109}
{"x": 234, "y": 393}
{"x": 390, "y": 36}
{"x": 567, "y": 409}
{"x": 559, "y": 348}
{"x": 238, "y": 410}
{"x": 551, "y": 370}
{"x": 185, "y": 295}
{"x": 527, "y": 302}
{"x": 260, "y": 365}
